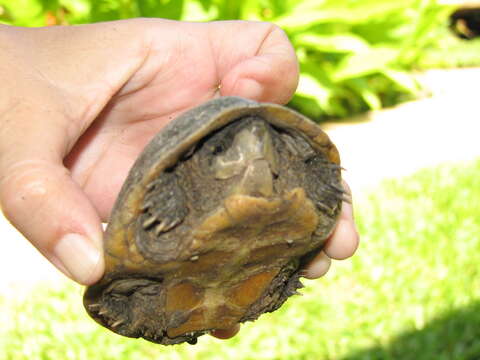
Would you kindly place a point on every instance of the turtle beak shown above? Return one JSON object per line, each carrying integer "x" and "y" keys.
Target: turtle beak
{"x": 257, "y": 180}
{"x": 252, "y": 155}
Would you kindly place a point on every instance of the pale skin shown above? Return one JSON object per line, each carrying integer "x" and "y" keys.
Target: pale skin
{"x": 78, "y": 104}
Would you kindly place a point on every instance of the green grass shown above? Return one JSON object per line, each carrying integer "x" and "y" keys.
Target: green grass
{"x": 411, "y": 292}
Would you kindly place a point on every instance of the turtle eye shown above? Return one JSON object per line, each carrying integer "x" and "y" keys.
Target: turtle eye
{"x": 218, "y": 149}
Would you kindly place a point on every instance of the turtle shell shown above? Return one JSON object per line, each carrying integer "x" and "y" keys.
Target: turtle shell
{"x": 215, "y": 221}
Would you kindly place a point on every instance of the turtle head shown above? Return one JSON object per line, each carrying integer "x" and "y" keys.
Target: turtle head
{"x": 250, "y": 156}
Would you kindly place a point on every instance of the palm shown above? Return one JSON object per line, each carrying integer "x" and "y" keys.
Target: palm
{"x": 105, "y": 153}
{"x": 178, "y": 74}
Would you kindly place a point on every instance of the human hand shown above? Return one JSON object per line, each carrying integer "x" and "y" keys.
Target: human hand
{"x": 78, "y": 104}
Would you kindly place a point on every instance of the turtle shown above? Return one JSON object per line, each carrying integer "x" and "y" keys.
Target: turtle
{"x": 216, "y": 221}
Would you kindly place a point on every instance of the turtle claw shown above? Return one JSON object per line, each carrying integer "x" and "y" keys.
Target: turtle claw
{"x": 322, "y": 206}
{"x": 117, "y": 323}
{"x": 194, "y": 258}
{"x": 94, "y": 307}
{"x": 146, "y": 205}
{"x": 337, "y": 188}
{"x": 149, "y": 222}
{"x": 347, "y": 199}
{"x": 160, "y": 228}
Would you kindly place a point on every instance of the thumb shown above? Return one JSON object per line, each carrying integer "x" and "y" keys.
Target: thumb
{"x": 269, "y": 72}
{"x": 39, "y": 197}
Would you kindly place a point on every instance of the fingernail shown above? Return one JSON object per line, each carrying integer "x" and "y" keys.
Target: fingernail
{"x": 318, "y": 267}
{"x": 78, "y": 255}
{"x": 250, "y": 89}
{"x": 344, "y": 241}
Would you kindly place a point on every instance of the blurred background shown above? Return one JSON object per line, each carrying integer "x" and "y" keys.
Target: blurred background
{"x": 396, "y": 85}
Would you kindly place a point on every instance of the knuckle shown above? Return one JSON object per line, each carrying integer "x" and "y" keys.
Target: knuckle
{"x": 24, "y": 191}
{"x": 284, "y": 62}
{"x": 277, "y": 30}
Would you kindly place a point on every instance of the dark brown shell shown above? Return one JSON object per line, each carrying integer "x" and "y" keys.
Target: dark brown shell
{"x": 224, "y": 268}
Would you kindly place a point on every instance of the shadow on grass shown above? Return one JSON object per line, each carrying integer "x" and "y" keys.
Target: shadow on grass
{"x": 454, "y": 336}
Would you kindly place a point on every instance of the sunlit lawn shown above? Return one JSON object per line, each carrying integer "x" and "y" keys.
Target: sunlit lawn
{"x": 411, "y": 292}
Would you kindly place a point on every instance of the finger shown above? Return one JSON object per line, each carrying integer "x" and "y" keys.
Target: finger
{"x": 38, "y": 196}
{"x": 345, "y": 239}
{"x": 260, "y": 64}
{"x": 49, "y": 209}
{"x": 226, "y": 333}
{"x": 318, "y": 267}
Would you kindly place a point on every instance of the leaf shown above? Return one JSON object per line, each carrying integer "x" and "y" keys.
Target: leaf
{"x": 308, "y": 106}
{"x": 365, "y": 63}
{"x": 251, "y": 10}
{"x": 347, "y": 12}
{"x": 363, "y": 11}
{"x": 366, "y": 92}
{"x": 311, "y": 87}
{"x": 328, "y": 96}
{"x": 228, "y": 10}
{"x": 24, "y": 12}
{"x": 280, "y": 7}
{"x": 300, "y": 20}
{"x": 105, "y": 10}
{"x": 5, "y": 16}
{"x": 206, "y": 4}
{"x": 169, "y": 9}
{"x": 332, "y": 43}
{"x": 402, "y": 79}
{"x": 78, "y": 11}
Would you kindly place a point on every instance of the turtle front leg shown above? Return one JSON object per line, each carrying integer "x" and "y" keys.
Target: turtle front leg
{"x": 164, "y": 205}
{"x": 323, "y": 188}
{"x": 164, "y": 208}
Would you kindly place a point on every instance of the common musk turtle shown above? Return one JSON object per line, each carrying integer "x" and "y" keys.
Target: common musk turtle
{"x": 215, "y": 221}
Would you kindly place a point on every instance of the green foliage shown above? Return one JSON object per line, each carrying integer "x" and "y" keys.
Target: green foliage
{"x": 353, "y": 54}
{"x": 412, "y": 292}
{"x": 451, "y": 52}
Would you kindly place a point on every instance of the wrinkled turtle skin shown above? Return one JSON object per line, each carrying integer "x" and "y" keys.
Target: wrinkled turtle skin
{"x": 215, "y": 221}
